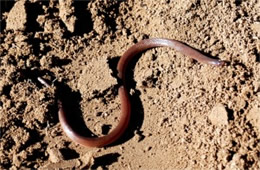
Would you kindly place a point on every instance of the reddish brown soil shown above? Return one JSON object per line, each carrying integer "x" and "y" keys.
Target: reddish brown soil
{"x": 185, "y": 114}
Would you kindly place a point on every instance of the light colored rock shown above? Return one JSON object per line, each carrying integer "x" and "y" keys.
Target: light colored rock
{"x": 256, "y": 27}
{"x": 54, "y": 155}
{"x": 87, "y": 160}
{"x": 256, "y": 85}
{"x": 219, "y": 115}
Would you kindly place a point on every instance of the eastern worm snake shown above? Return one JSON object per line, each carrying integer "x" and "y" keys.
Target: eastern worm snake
{"x": 123, "y": 93}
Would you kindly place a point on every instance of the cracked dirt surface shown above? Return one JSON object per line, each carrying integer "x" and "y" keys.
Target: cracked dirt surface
{"x": 185, "y": 114}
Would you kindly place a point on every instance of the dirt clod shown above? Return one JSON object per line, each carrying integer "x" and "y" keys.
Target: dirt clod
{"x": 17, "y": 17}
{"x": 66, "y": 13}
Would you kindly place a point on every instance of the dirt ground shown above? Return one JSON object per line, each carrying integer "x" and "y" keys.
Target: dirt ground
{"x": 186, "y": 115}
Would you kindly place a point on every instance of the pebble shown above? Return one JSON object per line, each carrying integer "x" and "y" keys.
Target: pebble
{"x": 54, "y": 155}
{"x": 219, "y": 115}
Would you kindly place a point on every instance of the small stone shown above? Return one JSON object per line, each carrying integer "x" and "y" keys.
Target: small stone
{"x": 99, "y": 168}
{"x": 203, "y": 156}
{"x": 54, "y": 155}
{"x": 256, "y": 27}
{"x": 219, "y": 115}
{"x": 40, "y": 19}
{"x": 256, "y": 85}
{"x": 87, "y": 160}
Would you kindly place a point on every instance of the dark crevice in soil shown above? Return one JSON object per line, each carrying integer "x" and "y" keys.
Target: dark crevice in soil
{"x": 106, "y": 129}
{"x": 111, "y": 21}
{"x": 84, "y": 23}
{"x": 57, "y": 62}
{"x": 33, "y": 10}
{"x": 35, "y": 42}
{"x": 257, "y": 54}
{"x": 238, "y": 2}
{"x": 231, "y": 154}
{"x": 29, "y": 74}
{"x": 105, "y": 160}
{"x": 230, "y": 114}
{"x": 71, "y": 105}
{"x": 68, "y": 153}
{"x": 112, "y": 63}
{"x": 6, "y": 91}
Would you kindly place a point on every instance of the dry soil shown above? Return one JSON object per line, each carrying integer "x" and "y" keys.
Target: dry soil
{"x": 186, "y": 115}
